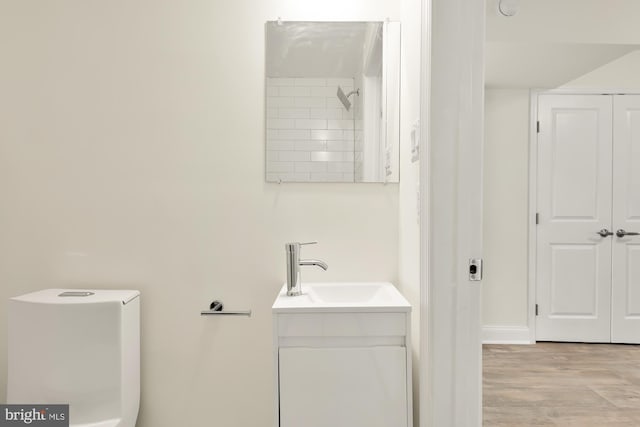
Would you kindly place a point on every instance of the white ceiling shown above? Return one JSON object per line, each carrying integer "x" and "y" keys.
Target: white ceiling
{"x": 551, "y": 42}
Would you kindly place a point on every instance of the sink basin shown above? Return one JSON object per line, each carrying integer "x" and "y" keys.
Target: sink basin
{"x": 342, "y": 296}
{"x": 346, "y": 292}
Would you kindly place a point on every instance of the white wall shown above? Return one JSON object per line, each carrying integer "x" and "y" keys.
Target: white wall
{"x": 505, "y": 207}
{"x": 409, "y": 230}
{"x": 132, "y": 156}
{"x": 623, "y": 73}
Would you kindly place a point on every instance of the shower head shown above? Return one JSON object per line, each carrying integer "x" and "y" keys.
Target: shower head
{"x": 345, "y": 98}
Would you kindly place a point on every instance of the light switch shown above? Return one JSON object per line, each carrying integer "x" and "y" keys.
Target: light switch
{"x": 415, "y": 141}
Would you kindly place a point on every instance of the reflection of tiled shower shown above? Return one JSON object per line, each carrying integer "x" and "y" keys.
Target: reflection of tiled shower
{"x": 310, "y": 135}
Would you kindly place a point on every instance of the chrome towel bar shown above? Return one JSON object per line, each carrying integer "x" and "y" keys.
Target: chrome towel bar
{"x": 215, "y": 309}
{"x": 226, "y": 313}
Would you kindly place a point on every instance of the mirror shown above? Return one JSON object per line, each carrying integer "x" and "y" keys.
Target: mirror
{"x": 332, "y": 101}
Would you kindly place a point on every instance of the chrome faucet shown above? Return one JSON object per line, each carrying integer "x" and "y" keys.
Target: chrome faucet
{"x": 294, "y": 285}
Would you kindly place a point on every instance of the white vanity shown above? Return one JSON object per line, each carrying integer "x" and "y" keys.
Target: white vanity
{"x": 342, "y": 356}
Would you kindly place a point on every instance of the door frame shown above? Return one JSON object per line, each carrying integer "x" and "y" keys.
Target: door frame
{"x": 452, "y": 119}
{"x": 532, "y": 265}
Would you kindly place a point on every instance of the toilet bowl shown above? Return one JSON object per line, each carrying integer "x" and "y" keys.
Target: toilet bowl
{"x": 77, "y": 347}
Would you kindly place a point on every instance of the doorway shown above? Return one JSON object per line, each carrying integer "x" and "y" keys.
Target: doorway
{"x": 587, "y": 208}
{"x": 588, "y": 204}
{"x": 571, "y": 54}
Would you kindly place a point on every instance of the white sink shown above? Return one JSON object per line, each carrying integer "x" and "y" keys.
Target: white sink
{"x": 349, "y": 343}
{"x": 347, "y": 296}
{"x": 347, "y": 292}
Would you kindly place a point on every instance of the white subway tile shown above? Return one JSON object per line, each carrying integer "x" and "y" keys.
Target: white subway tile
{"x": 318, "y": 113}
{"x": 277, "y": 101}
{"x": 310, "y": 82}
{"x": 294, "y": 156}
{"x": 272, "y": 177}
{"x": 272, "y": 91}
{"x": 310, "y": 167}
{"x": 281, "y": 124}
{"x": 324, "y": 156}
{"x": 272, "y": 134}
{"x": 272, "y": 113}
{"x": 343, "y": 167}
{"x": 311, "y": 124}
{"x": 345, "y": 114}
{"x": 310, "y": 102}
{"x": 318, "y": 91}
{"x": 331, "y": 91}
{"x": 340, "y": 124}
{"x": 293, "y": 113}
{"x": 295, "y": 91}
{"x": 280, "y": 167}
{"x": 327, "y": 135}
{"x": 339, "y": 146}
{"x": 302, "y": 177}
{"x": 343, "y": 82}
{"x": 349, "y": 177}
{"x": 277, "y": 145}
{"x": 335, "y": 113}
{"x": 323, "y": 113}
{"x": 331, "y": 156}
{"x": 310, "y": 145}
{"x": 334, "y": 103}
{"x": 327, "y": 177}
{"x": 272, "y": 156}
{"x": 280, "y": 81}
{"x": 294, "y": 134}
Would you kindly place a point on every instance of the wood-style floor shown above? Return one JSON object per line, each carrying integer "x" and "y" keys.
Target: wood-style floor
{"x": 561, "y": 384}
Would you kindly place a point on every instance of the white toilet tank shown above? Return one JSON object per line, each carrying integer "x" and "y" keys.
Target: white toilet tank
{"x": 77, "y": 347}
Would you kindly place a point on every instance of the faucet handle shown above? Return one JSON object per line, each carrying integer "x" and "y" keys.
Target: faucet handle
{"x": 295, "y": 246}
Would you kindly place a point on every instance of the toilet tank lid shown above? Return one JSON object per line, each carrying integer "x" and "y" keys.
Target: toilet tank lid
{"x": 78, "y": 296}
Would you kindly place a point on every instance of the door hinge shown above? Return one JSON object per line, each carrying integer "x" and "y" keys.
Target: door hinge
{"x": 536, "y": 309}
{"x": 537, "y": 218}
{"x": 538, "y": 126}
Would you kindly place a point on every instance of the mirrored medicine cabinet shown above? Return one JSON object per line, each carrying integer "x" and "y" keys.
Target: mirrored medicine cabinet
{"x": 332, "y": 101}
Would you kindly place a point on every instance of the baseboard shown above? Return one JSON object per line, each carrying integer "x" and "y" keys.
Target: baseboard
{"x": 506, "y": 335}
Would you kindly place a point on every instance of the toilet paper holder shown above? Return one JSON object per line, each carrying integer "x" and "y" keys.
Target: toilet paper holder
{"x": 216, "y": 309}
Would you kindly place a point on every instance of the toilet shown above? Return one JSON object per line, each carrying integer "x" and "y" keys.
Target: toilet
{"x": 77, "y": 347}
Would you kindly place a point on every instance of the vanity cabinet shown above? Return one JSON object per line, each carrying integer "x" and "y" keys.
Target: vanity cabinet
{"x": 342, "y": 366}
{"x": 350, "y": 386}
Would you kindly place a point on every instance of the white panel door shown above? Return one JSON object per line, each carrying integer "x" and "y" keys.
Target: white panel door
{"x": 574, "y": 203}
{"x": 625, "y": 295}
{"x": 343, "y": 387}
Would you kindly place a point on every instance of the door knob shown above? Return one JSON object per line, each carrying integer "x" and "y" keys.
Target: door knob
{"x": 622, "y": 233}
{"x": 605, "y": 233}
